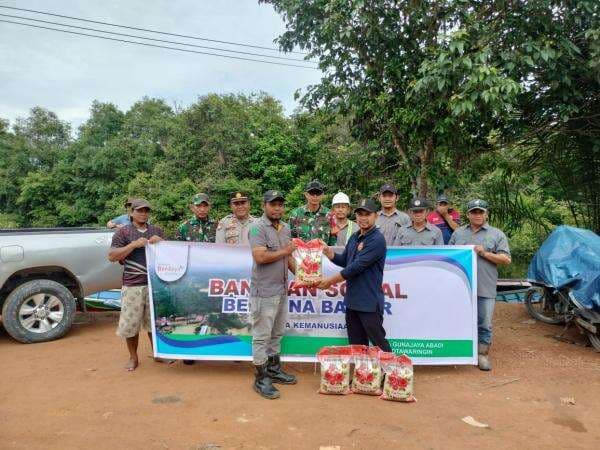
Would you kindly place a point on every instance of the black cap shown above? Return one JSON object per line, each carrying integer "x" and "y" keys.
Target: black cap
{"x": 272, "y": 195}
{"x": 388, "y": 188}
{"x": 368, "y": 205}
{"x": 443, "y": 198}
{"x": 419, "y": 203}
{"x": 237, "y": 195}
{"x": 477, "y": 204}
{"x": 314, "y": 185}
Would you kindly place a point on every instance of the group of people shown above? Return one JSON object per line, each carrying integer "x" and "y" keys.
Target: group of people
{"x": 358, "y": 247}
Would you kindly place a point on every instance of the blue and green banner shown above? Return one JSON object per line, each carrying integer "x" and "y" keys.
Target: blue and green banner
{"x": 200, "y": 296}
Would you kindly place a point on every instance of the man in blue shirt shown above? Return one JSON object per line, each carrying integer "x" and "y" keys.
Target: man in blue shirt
{"x": 363, "y": 261}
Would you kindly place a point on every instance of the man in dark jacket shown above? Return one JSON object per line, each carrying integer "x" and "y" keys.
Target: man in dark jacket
{"x": 363, "y": 261}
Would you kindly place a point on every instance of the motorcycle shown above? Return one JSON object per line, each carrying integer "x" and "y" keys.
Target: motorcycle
{"x": 565, "y": 278}
{"x": 559, "y": 306}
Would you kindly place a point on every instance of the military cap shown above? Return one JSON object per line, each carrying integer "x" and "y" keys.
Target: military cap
{"x": 477, "y": 204}
{"x": 272, "y": 195}
{"x": 139, "y": 203}
{"x": 388, "y": 188}
{"x": 314, "y": 185}
{"x": 201, "y": 198}
{"x": 418, "y": 203}
{"x": 367, "y": 204}
{"x": 237, "y": 196}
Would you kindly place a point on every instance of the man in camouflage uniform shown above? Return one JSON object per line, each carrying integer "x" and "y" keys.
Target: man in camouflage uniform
{"x": 200, "y": 228}
{"x": 311, "y": 221}
{"x": 233, "y": 228}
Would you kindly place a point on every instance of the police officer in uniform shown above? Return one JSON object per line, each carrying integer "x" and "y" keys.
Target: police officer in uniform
{"x": 419, "y": 232}
{"x": 233, "y": 228}
{"x": 491, "y": 247}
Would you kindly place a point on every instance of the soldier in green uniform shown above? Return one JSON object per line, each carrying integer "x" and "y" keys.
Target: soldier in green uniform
{"x": 200, "y": 228}
{"x": 233, "y": 228}
{"x": 311, "y": 220}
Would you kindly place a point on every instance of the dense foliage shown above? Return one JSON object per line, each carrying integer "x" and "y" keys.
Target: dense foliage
{"x": 494, "y": 99}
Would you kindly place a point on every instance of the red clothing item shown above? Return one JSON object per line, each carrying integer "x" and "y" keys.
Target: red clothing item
{"x": 435, "y": 218}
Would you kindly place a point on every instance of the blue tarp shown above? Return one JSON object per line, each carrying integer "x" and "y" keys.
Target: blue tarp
{"x": 570, "y": 253}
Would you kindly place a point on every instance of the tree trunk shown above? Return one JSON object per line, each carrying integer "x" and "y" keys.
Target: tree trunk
{"x": 425, "y": 157}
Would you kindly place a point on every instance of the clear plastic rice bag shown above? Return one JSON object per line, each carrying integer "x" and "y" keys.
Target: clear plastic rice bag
{"x": 308, "y": 256}
{"x": 398, "y": 385}
{"x": 367, "y": 370}
{"x": 335, "y": 370}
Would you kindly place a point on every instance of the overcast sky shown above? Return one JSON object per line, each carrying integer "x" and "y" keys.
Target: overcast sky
{"x": 65, "y": 73}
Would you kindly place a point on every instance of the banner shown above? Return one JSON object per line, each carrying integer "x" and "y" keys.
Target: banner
{"x": 200, "y": 304}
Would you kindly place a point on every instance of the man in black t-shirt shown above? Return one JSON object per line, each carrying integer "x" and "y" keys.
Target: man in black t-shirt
{"x": 127, "y": 247}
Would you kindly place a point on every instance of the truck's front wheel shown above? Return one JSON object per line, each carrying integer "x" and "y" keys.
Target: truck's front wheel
{"x": 38, "y": 311}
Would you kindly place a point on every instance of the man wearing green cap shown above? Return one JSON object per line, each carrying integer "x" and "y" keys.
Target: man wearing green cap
{"x": 311, "y": 221}
{"x": 233, "y": 228}
{"x": 200, "y": 228}
{"x": 491, "y": 247}
{"x": 418, "y": 232}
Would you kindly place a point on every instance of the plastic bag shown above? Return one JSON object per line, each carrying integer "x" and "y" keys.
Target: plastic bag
{"x": 367, "y": 370}
{"x": 398, "y": 385}
{"x": 335, "y": 370}
{"x": 308, "y": 256}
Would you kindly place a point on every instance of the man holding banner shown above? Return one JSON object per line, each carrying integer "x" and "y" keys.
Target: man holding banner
{"x": 491, "y": 247}
{"x": 271, "y": 244}
{"x": 363, "y": 261}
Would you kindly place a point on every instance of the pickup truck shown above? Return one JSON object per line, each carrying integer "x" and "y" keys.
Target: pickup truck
{"x": 45, "y": 275}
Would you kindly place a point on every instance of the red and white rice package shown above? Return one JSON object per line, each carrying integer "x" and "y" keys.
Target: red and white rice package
{"x": 367, "y": 370}
{"x": 398, "y": 385}
{"x": 308, "y": 257}
{"x": 335, "y": 370}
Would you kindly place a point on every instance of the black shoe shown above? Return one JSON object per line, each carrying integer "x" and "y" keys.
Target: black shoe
{"x": 189, "y": 362}
{"x": 277, "y": 375}
{"x": 263, "y": 384}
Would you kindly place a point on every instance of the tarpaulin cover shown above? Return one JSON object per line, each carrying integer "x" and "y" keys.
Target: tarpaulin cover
{"x": 568, "y": 254}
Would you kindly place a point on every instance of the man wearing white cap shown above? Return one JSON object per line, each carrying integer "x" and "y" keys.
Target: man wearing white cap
{"x": 343, "y": 227}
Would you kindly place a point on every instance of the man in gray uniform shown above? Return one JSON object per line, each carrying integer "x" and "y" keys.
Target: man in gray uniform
{"x": 419, "y": 232}
{"x": 389, "y": 219}
{"x": 492, "y": 250}
{"x": 271, "y": 244}
{"x": 233, "y": 228}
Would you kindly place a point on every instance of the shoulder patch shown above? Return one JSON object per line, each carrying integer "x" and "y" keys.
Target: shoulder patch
{"x": 254, "y": 231}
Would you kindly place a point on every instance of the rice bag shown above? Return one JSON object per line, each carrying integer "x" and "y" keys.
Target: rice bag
{"x": 367, "y": 370}
{"x": 308, "y": 256}
{"x": 335, "y": 370}
{"x": 398, "y": 385}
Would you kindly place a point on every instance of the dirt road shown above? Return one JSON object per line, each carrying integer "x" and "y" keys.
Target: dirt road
{"x": 74, "y": 394}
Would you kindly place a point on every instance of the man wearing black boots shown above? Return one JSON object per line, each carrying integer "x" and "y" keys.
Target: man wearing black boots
{"x": 271, "y": 245}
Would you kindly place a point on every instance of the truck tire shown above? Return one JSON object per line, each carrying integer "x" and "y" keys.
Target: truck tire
{"x": 38, "y": 311}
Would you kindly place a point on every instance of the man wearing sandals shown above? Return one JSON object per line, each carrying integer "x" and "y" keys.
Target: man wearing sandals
{"x": 128, "y": 247}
